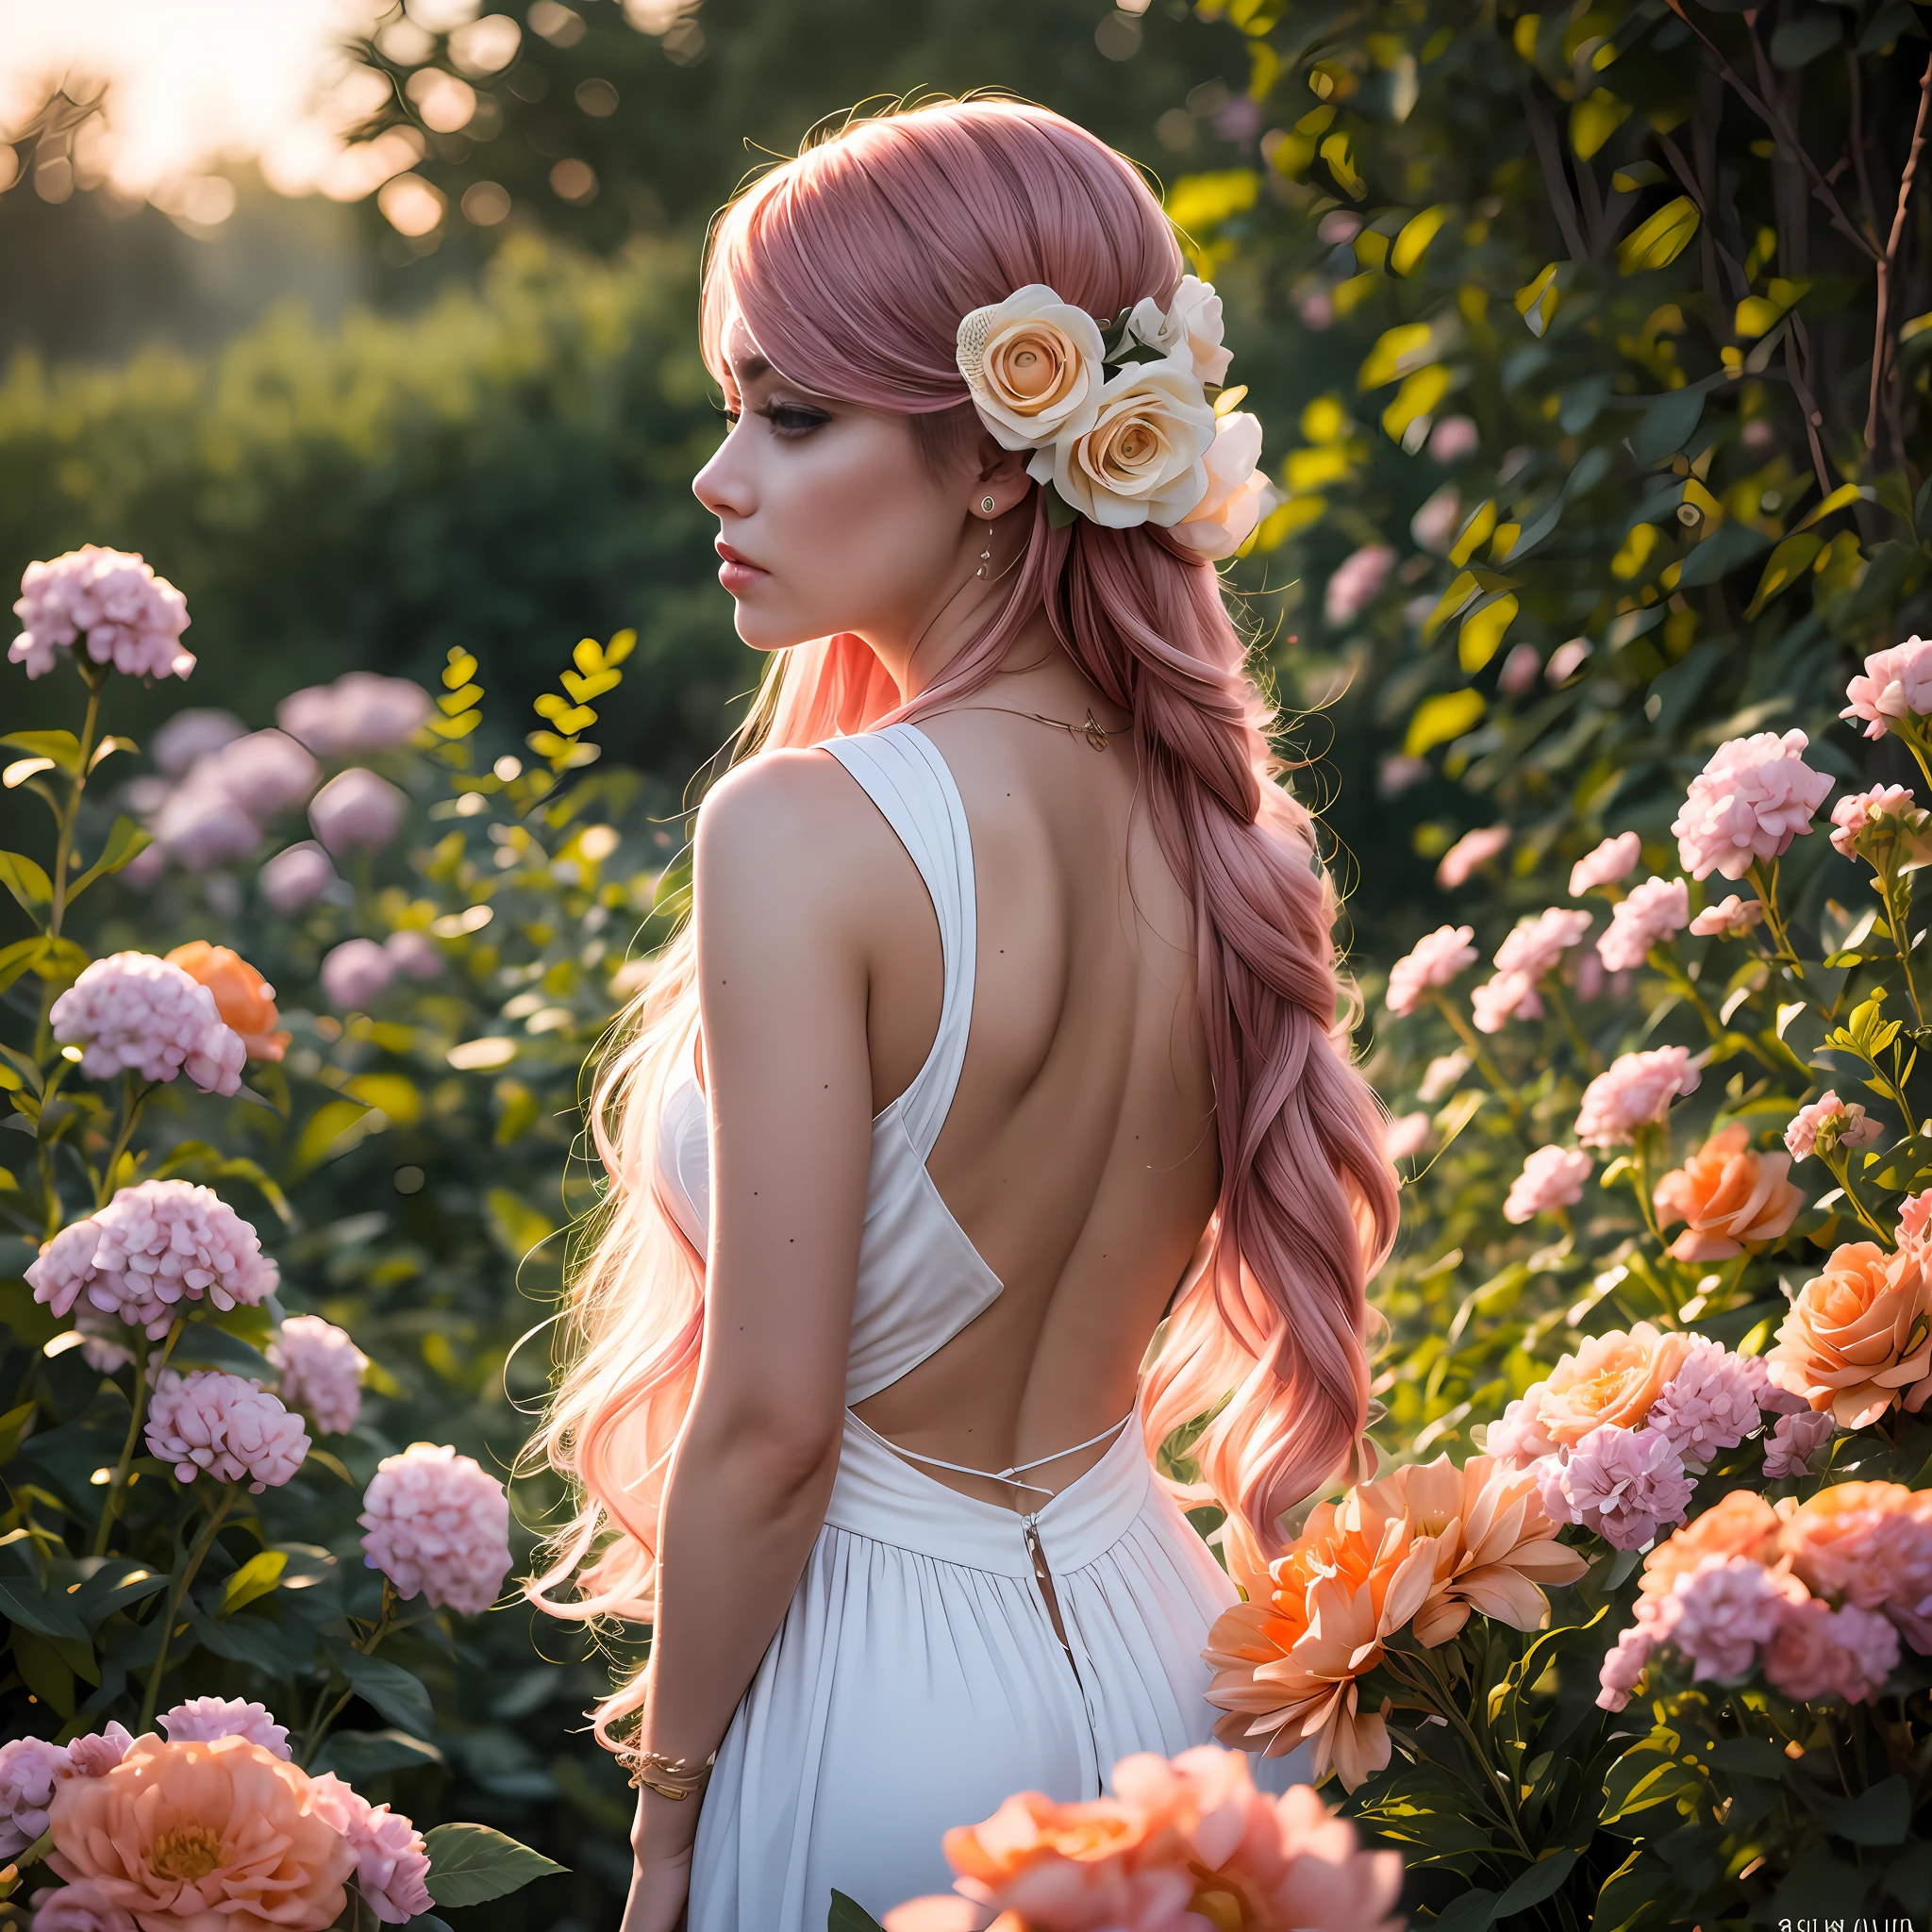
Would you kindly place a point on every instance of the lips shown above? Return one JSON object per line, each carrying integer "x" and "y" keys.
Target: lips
{"x": 737, "y": 571}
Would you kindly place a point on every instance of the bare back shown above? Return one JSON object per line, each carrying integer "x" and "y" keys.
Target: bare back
{"x": 1079, "y": 1155}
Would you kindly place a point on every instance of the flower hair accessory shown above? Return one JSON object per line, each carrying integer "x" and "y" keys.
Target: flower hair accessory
{"x": 1156, "y": 440}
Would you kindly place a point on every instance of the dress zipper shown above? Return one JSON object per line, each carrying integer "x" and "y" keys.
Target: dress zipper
{"x": 1043, "y": 1577}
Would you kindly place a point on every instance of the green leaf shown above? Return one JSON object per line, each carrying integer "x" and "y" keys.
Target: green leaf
{"x": 25, "y": 881}
{"x": 1059, "y": 512}
{"x": 469, "y": 1864}
{"x": 1668, "y": 423}
{"x": 126, "y": 842}
{"x": 1720, "y": 553}
{"x": 1881, "y": 1815}
{"x": 21, "y": 957}
{"x": 208, "y": 1347}
{"x": 390, "y": 1689}
{"x": 256, "y": 1577}
{"x": 1481, "y": 635}
{"x": 1438, "y": 719}
{"x": 1542, "y": 1880}
{"x": 62, "y": 747}
{"x": 23, "y": 1602}
{"x": 118, "y": 1583}
{"x": 1800, "y": 42}
{"x": 848, "y": 1915}
{"x": 1641, "y": 1882}
{"x": 1788, "y": 563}
{"x": 1646, "y": 1775}
{"x": 354, "y": 1755}
{"x": 1659, "y": 241}
{"x": 1473, "y": 1912}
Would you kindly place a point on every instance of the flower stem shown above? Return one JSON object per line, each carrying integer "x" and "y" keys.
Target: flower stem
{"x": 1639, "y": 1162}
{"x": 1765, "y": 879}
{"x": 1436, "y": 1687}
{"x": 1479, "y": 1053}
{"x": 1841, "y": 1172}
{"x": 1660, "y": 961}
{"x": 1898, "y": 917}
{"x": 1567, "y": 1013}
{"x": 70, "y": 817}
{"x": 117, "y": 1484}
{"x": 203, "y": 1543}
{"x": 131, "y": 1104}
{"x": 327, "y": 1712}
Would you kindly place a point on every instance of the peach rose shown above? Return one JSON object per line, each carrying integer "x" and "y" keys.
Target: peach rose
{"x": 1859, "y": 1338}
{"x": 1612, "y": 1378}
{"x": 1141, "y": 458}
{"x": 1033, "y": 366}
{"x": 1732, "y": 1201}
{"x": 220, "y": 1835}
{"x": 243, "y": 998}
{"x": 1842, "y": 1542}
{"x": 1743, "y": 1525}
{"x": 1238, "y": 492}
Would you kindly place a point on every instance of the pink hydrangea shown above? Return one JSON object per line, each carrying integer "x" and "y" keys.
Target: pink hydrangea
{"x": 415, "y": 953}
{"x": 1818, "y": 1652}
{"x": 297, "y": 878}
{"x": 1472, "y": 850}
{"x": 1501, "y": 998}
{"x": 152, "y": 1250}
{"x": 135, "y": 1011}
{"x": 1552, "y": 1178}
{"x": 1603, "y": 865}
{"x": 29, "y": 1769}
{"x": 1895, "y": 684}
{"x": 1719, "y": 1613}
{"x": 1730, "y": 917}
{"x": 1435, "y": 960}
{"x": 357, "y": 974}
{"x": 81, "y": 1906}
{"x": 322, "y": 1372}
{"x": 200, "y": 827}
{"x": 360, "y": 713}
{"x": 1709, "y": 1404}
{"x": 1755, "y": 796}
{"x": 1624, "y": 1484}
{"x": 1635, "y": 1091}
{"x": 1623, "y": 1666}
{"x": 1517, "y": 1437}
{"x": 1407, "y": 1134}
{"x": 129, "y": 617}
{"x": 1840, "y": 1125}
{"x": 1770, "y": 1399}
{"x": 436, "y": 1525}
{"x": 190, "y": 735}
{"x": 391, "y": 1861}
{"x": 1649, "y": 916}
{"x": 225, "y": 1717}
{"x": 356, "y": 809}
{"x": 223, "y": 1424}
{"x": 1794, "y": 1440}
{"x": 99, "y": 1752}
{"x": 1357, "y": 583}
{"x": 264, "y": 772}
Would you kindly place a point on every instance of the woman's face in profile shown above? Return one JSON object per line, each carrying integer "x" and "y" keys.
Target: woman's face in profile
{"x": 831, "y": 517}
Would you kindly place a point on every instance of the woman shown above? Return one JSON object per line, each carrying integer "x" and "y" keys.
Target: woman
{"x": 1007, "y": 1026}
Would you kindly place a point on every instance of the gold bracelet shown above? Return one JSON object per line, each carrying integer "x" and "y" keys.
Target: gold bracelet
{"x": 674, "y": 1778}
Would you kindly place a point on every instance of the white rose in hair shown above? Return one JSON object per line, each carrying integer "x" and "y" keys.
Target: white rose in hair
{"x": 1188, "y": 330}
{"x": 1033, "y": 363}
{"x": 1141, "y": 460}
{"x": 1238, "y": 492}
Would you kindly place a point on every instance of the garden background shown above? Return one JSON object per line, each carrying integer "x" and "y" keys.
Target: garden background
{"x": 1591, "y": 347}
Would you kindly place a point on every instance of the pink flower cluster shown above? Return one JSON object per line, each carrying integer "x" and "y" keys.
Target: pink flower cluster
{"x": 137, "y": 1013}
{"x": 1755, "y": 796}
{"x": 30, "y": 1768}
{"x": 1357, "y": 583}
{"x": 357, "y": 973}
{"x": 129, "y": 617}
{"x": 1646, "y": 918}
{"x": 392, "y": 1862}
{"x": 150, "y": 1253}
{"x": 1634, "y": 1090}
{"x": 225, "y": 1717}
{"x": 1730, "y": 917}
{"x": 1832, "y": 1120}
{"x": 218, "y": 813}
{"x": 356, "y": 808}
{"x": 1552, "y": 1178}
{"x": 1472, "y": 850}
{"x": 210, "y": 1420}
{"x": 436, "y": 1525}
{"x": 1885, "y": 826}
{"x": 1624, "y": 1484}
{"x": 322, "y": 1372}
{"x": 1434, "y": 960}
{"x": 1603, "y": 865}
{"x": 1534, "y": 947}
{"x": 360, "y": 714}
{"x": 297, "y": 876}
{"x": 1896, "y": 685}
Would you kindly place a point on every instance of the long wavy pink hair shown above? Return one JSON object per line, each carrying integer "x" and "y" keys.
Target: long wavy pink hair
{"x": 852, "y": 266}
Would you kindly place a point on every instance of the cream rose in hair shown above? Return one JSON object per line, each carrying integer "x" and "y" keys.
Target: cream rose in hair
{"x": 1238, "y": 492}
{"x": 1033, "y": 363}
{"x": 1141, "y": 462}
{"x": 1188, "y": 330}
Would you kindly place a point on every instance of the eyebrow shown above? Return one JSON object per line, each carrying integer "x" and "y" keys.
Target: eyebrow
{"x": 752, "y": 367}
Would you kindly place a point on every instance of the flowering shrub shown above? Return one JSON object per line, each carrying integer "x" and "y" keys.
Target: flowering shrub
{"x": 190, "y": 1315}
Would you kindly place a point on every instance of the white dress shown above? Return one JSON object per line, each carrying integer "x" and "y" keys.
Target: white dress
{"x": 917, "y": 1681}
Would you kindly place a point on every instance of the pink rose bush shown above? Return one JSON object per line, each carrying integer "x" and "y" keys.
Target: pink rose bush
{"x": 1182, "y": 1842}
{"x": 1755, "y": 796}
{"x": 1552, "y": 1178}
{"x": 111, "y": 601}
{"x": 1433, "y": 961}
{"x": 1893, "y": 690}
{"x": 135, "y": 1013}
{"x": 1357, "y": 583}
{"x": 1636, "y": 1092}
{"x": 1728, "y": 918}
{"x": 1828, "y": 1123}
{"x": 356, "y": 808}
{"x": 436, "y": 1525}
{"x": 357, "y": 974}
{"x": 1606, "y": 864}
{"x": 1534, "y": 948}
{"x": 1469, "y": 854}
{"x": 1647, "y": 916}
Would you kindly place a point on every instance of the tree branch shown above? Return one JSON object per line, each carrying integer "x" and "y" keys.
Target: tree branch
{"x": 1544, "y": 131}
{"x": 1888, "y": 262}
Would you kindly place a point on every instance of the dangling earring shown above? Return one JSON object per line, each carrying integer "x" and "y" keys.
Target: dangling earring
{"x": 985, "y": 510}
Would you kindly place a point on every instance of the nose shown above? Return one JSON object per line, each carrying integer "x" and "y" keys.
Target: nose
{"x": 721, "y": 486}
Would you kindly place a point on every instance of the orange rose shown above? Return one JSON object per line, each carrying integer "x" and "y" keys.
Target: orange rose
{"x": 243, "y": 998}
{"x": 192, "y": 1836}
{"x": 1743, "y": 1525}
{"x": 1732, "y": 1200}
{"x": 1859, "y": 1338}
{"x": 1839, "y": 1541}
{"x": 1612, "y": 1378}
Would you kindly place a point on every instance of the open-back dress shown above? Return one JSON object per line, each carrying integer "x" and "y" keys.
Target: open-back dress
{"x": 917, "y": 1680}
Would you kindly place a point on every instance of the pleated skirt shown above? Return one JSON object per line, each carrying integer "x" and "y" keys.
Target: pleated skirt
{"x": 917, "y": 1682}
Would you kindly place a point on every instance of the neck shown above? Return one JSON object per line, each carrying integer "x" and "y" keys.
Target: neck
{"x": 1034, "y": 673}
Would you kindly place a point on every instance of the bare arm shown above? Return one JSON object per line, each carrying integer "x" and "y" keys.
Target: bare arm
{"x": 783, "y": 992}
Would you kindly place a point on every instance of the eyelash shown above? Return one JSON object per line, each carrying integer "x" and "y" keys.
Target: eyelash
{"x": 789, "y": 420}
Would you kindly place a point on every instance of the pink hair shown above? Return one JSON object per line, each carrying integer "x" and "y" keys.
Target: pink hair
{"x": 852, "y": 266}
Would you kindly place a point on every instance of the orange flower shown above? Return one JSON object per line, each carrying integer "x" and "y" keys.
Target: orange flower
{"x": 1743, "y": 1525}
{"x": 1732, "y": 1200}
{"x": 1612, "y": 1378}
{"x": 1859, "y": 1338}
{"x": 196, "y": 1836}
{"x": 1839, "y": 1542}
{"x": 1496, "y": 1547}
{"x": 243, "y": 998}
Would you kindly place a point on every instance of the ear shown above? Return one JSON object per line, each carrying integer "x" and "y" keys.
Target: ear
{"x": 1001, "y": 473}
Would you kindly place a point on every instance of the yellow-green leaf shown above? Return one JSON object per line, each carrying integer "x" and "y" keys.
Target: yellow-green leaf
{"x": 1396, "y": 353}
{"x": 256, "y": 1577}
{"x": 1595, "y": 119}
{"x": 1536, "y": 301}
{"x": 1482, "y": 632}
{"x": 1414, "y": 241}
{"x": 1335, "y": 151}
{"x": 1452, "y": 600}
{"x": 1438, "y": 719}
{"x": 1846, "y": 494}
{"x": 1788, "y": 563}
{"x": 1482, "y": 522}
{"x": 395, "y": 1096}
{"x": 1198, "y": 202}
{"x": 1416, "y": 398}
{"x": 1659, "y": 241}
{"x": 1281, "y": 523}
